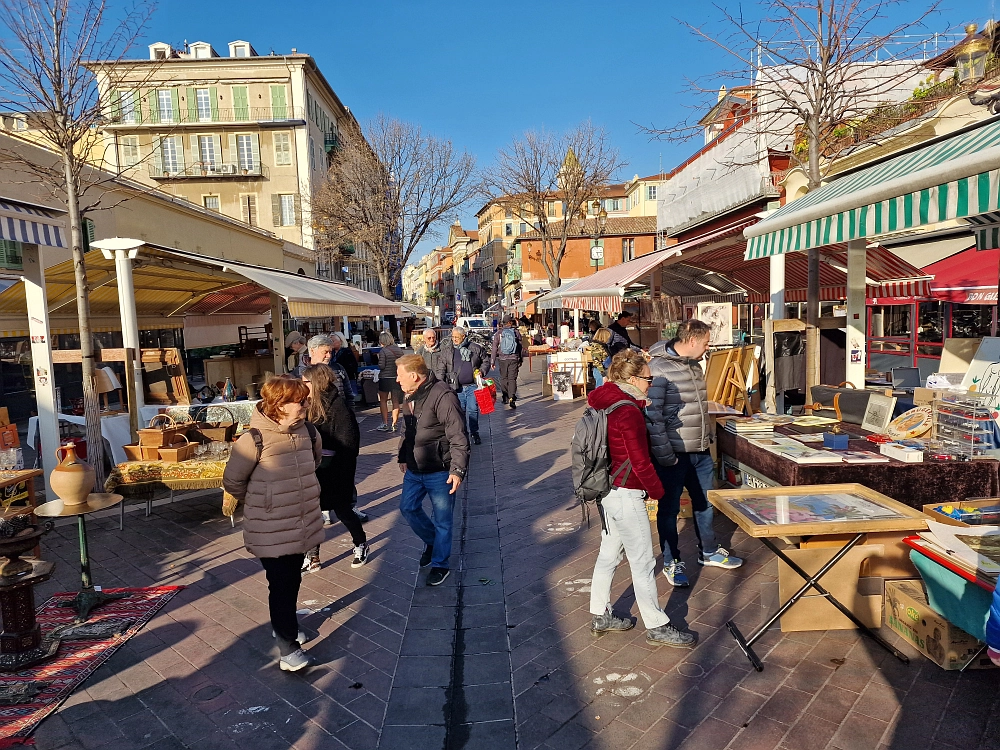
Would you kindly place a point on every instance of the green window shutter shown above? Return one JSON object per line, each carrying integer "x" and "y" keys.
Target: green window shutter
{"x": 192, "y": 105}
{"x": 217, "y": 140}
{"x": 255, "y": 149}
{"x": 298, "y": 209}
{"x": 276, "y": 210}
{"x": 195, "y": 151}
{"x": 213, "y": 94}
{"x": 179, "y": 145}
{"x": 234, "y": 154}
{"x": 279, "y": 111}
{"x": 157, "y": 157}
{"x": 175, "y": 107}
{"x": 241, "y": 107}
{"x": 116, "y": 106}
{"x": 154, "y": 107}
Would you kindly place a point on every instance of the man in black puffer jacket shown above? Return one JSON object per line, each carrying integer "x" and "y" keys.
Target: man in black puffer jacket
{"x": 433, "y": 458}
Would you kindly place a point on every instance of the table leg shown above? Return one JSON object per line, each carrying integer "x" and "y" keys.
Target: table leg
{"x": 89, "y": 597}
{"x": 811, "y": 582}
{"x": 121, "y": 516}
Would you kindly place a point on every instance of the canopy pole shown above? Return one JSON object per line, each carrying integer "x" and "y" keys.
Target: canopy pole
{"x": 277, "y": 334}
{"x": 812, "y": 325}
{"x": 41, "y": 359}
{"x": 130, "y": 328}
{"x": 857, "y": 262}
{"x": 775, "y": 399}
{"x": 576, "y": 323}
{"x": 346, "y": 328}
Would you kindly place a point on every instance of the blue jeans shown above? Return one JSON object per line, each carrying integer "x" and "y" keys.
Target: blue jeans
{"x": 467, "y": 398}
{"x": 411, "y": 505}
{"x": 696, "y": 472}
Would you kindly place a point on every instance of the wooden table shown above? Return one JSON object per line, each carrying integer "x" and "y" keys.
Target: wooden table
{"x": 769, "y": 513}
{"x": 8, "y": 487}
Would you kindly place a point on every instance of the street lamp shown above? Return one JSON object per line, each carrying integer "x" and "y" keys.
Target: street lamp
{"x": 600, "y": 223}
{"x": 970, "y": 60}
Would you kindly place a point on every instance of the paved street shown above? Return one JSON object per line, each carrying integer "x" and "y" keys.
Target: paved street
{"x": 500, "y": 656}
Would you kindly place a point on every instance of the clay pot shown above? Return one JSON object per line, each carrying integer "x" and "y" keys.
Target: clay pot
{"x": 72, "y": 480}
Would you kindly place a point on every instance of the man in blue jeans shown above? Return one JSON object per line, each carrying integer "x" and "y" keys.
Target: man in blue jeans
{"x": 433, "y": 458}
{"x": 680, "y": 436}
{"x": 467, "y": 357}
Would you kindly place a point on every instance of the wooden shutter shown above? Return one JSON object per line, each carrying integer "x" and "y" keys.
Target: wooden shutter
{"x": 276, "y": 210}
{"x": 279, "y": 110}
{"x": 213, "y": 96}
{"x": 241, "y": 109}
{"x": 255, "y": 150}
{"x": 217, "y": 140}
{"x": 298, "y": 209}
{"x": 234, "y": 154}
{"x": 152, "y": 100}
{"x": 175, "y": 105}
{"x": 192, "y": 105}
{"x": 179, "y": 145}
{"x": 282, "y": 149}
{"x": 196, "y": 151}
{"x": 157, "y": 156}
{"x": 248, "y": 203}
{"x": 116, "y": 106}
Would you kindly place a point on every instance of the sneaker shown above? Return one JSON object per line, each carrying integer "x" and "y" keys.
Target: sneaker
{"x": 504, "y": 399}
{"x": 294, "y": 661}
{"x": 311, "y": 565}
{"x": 425, "y": 558}
{"x": 360, "y": 556}
{"x": 363, "y": 517}
{"x": 437, "y": 576}
{"x": 395, "y": 426}
{"x": 476, "y": 440}
{"x": 512, "y": 404}
{"x": 382, "y": 428}
{"x": 720, "y": 559}
{"x": 668, "y": 635}
{"x": 327, "y": 518}
{"x": 608, "y": 623}
{"x": 303, "y": 638}
{"x": 674, "y": 572}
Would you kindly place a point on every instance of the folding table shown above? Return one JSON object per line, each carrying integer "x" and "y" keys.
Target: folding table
{"x": 805, "y": 510}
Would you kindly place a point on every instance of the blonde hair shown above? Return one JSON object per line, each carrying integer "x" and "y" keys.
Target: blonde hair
{"x": 602, "y": 336}
{"x": 626, "y": 364}
{"x": 413, "y": 363}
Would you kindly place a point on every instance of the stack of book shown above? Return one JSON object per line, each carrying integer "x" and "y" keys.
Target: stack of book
{"x": 749, "y": 427}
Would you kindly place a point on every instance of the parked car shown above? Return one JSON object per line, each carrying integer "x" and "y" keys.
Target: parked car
{"x": 475, "y": 323}
{"x": 448, "y": 317}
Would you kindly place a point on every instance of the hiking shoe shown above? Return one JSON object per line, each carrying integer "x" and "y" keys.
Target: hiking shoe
{"x": 608, "y": 623}
{"x": 327, "y": 518}
{"x": 425, "y": 558}
{"x": 674, "y": 572}
{"x": 437, "y": 576}
{"x": 294, "y": 661}
{"x": 302, "y": 637}
{"x": 311, "y": 564}
{"x": 720, "y": 559}
{"x": 476, "y": 440}
{"x": 383, "y": 428}
{"x": 360, "y": 556}
{"x": 512, "y": 404}
{"x": 668, "y": 635}
{"x": 363, "y": 517}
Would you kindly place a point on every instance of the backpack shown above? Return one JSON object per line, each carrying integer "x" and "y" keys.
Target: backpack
{"x": 508, "y": 341}
{"x": 591, "y": 462}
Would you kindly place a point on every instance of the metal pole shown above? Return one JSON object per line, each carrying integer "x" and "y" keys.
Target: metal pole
{"x": 130, "y": 324}
{"x": 857, "y": 261}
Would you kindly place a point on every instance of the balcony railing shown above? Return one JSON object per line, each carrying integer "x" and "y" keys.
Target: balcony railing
{"x": 185, "y": 116}
{"x": 202, "y": 171}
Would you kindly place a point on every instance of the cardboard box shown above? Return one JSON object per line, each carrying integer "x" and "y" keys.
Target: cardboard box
{"x": 931, "y": 510}
{"x": 4, "y": 416}
{"x": 892, "y": 562}
{"x": 907, "y": 613}
{"x": 925, "y": 396}
{"x": 8, "y": 437}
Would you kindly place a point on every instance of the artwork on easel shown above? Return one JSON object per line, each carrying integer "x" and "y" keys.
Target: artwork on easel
{"x": 983, "y": 375}
{"x": 878, "y": 414}
{"x": 719, "y": 318}
{"x": 562, "y": 385}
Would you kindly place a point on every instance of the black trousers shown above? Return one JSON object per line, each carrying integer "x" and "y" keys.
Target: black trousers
{"x": 284, "y": 576}
{"x": 508, "y": 376}
{"x": 337, "y": 494}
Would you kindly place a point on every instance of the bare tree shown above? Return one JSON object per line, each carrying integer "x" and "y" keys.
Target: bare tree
{"x": 43, "y": 77}
{"x": 814, "y": 73}
{"x": 543, "y": 168}
{"x": 388, "y": 188}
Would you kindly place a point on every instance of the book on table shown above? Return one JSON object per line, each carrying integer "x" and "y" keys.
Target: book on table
{"x": 795, "y": 451}
{"x": 863, "y": 457}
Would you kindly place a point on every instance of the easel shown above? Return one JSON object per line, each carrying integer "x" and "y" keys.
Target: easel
{"x": 726, "y": 377}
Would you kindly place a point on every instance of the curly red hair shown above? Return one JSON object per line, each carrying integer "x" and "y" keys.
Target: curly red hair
{"x": 279, "y": 391}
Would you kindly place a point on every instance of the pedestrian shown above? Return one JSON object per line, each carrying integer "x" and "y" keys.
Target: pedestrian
{"x": 344, "y": 356}
{"x": 437, "y": 356}
{"x": 599, "y": 354}
{"x": 295, "y": 349}
{"x": 681, "y": 435}
{"x": 623, "y": 510}
{"x": 433, "y": 458}
{"x": 281, "y": 514}
{"x": 467, "y": 359}
{"x": 619, "y": 327}
{"x": 508, "y": 354}
{"x": 387, "y": 385}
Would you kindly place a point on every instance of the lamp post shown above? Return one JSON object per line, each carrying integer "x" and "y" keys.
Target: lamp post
{"x": 970, "y": 60}
{"x": 600, "y": 224}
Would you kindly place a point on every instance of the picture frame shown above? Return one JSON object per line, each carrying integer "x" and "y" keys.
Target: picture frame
{"x": 878, "y": 413}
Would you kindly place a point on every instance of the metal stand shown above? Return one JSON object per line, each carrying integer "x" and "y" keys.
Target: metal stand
{"x": 21, "y": 642}
{"x": 811, "y": 582}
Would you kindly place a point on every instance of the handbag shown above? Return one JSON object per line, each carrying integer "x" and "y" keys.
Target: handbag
{"x": 485, "y": 400}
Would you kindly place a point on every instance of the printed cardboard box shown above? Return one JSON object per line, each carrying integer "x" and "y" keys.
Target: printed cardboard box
{"x": 907, "y": 612}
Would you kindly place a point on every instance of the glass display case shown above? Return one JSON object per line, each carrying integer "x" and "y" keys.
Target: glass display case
{"x": 966, "y": 426}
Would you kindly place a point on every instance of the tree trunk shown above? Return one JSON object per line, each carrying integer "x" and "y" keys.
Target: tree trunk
{"x": 91, "y": 408}
{"x": 812, "y": 281}
{"x": 383, "y": 280}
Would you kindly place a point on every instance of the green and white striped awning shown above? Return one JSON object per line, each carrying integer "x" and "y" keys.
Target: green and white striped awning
{"x": 955, "y": 177}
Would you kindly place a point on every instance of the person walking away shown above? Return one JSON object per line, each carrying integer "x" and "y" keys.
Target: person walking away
{"x": 341, "y": 442}
{"x": 599, "y": 354}
{"x": 387, "y": 385}
{"x": 680, "y": 433}
{"x": 433, "y": 458}
{"x": 269, "y": 470}
{"x": 468, "y": 357}
{"x": 623, "y": 510}
{"x": 508, "y": 354}
{"x": 344, "y": 356}
{"x": 437, "y": 356}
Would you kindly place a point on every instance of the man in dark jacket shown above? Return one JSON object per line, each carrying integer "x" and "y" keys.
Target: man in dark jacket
{"x": 680, "y": 435}
{"x": 468, "y": 357}
{"x": 433, "y": 458}
{"x": 437, "y": 356}
{"x": 620, "y": 340}
{"x": 508, "y": 354}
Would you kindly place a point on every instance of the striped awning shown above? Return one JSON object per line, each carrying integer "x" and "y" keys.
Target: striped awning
{"x": 986, "y": 230}
{"x": 23, "y": 222}
{"x": 956, "y": 176}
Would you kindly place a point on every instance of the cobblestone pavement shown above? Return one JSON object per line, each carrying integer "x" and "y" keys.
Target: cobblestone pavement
{"x": 500, "y": 656}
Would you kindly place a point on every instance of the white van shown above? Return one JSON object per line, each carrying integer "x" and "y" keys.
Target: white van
{"x": 476, "y": 324}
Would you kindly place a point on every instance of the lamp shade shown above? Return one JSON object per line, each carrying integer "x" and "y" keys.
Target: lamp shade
{"x": 106, "y": 380}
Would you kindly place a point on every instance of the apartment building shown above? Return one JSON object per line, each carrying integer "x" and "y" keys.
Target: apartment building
{"x": 246, "y": 135}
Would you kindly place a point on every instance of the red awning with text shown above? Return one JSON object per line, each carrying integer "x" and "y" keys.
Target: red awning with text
{"x": 969, "y": 277}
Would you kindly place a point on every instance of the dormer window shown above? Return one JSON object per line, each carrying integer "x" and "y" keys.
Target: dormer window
{"x": 202, "y": 50}
{"x": 241, "y": 48}
{"x": 160, "y": 51}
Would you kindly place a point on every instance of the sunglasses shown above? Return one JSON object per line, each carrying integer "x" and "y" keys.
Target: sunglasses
{"x": 640, "y": 377}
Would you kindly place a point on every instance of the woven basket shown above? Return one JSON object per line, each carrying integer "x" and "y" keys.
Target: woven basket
{"x": 157, "y": 436}
{"x": 174, "y": 454}
{"x": 208, "y": 432}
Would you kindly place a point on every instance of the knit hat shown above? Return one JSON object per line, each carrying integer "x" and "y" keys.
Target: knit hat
{"x": 294, "y": 337}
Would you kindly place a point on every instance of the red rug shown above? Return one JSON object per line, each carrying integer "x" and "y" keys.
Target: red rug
{"x": 76, "y": 660}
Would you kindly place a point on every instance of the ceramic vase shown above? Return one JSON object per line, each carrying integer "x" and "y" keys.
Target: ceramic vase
{"x": 72, "y": 480}
{"x": 229, "y": 391}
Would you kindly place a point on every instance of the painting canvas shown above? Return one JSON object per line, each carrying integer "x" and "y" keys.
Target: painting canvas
{"x": 814, "y": 508}
{"x": 878, "y": 415}
{"x": 719, "y": 317}
{"x": 983, "y": 375}
{"x": 562, "y": 385}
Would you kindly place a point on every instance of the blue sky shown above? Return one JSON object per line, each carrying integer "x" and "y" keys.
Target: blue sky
{"x": 482, "y": 73}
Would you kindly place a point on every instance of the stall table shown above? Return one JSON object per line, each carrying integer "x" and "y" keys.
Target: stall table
{"x": 141, "y": 480}
{"x": 913, "y": 484}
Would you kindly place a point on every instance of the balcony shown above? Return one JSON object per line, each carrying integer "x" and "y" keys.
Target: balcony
{"x": 261, "y": 116}
{"x": 330, "y": 142}
{"x": 201, "y": 171}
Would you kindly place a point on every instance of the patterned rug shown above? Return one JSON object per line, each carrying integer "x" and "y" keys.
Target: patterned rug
{"x": 76, "y": 659}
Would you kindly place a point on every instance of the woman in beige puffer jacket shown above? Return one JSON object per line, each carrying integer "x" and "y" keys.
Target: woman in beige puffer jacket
{"x": 281, "y": 514}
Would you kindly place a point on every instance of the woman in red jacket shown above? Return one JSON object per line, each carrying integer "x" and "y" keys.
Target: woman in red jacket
{"x": 624, "y": 508}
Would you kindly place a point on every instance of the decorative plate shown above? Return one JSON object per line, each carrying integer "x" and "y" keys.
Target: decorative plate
{"x": 912, "y": 423}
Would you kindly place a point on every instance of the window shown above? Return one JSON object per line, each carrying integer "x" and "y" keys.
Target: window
{"x": 971, "y": 321}
{"x": 169, "y": 155}
{"x": 523, "y": 228}
{"x": 287, "y": 209}
{"x": 279, "y": 109}
{"x": 204, "y": 99}
{"x": 211, "y": 202}
{"x": 240, "y": 50}
{"x": 612, "y": 204}
{"x": 552, "y": 209}
{"x": 165, "y": 105}
{"x": 930, "y": 325}
{"x": 244, "y": 151}
{"x": 282, "y": 149}
{"x": 312, "y": 153}
{"x": 206, "y": 151}
{"x": 651, "y": 192}
{"x": 10, "y": 255}
{"x": 628, "y": 249}
{"x": 508, "y": 214}
{"x": 508, "y": 229}
{"x": 129, "y": 148}
{"x": 126, "y": 105}
{"x": 248, "y": 206}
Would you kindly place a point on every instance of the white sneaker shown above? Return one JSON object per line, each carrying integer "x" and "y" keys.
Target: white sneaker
{"x": 303, "y": 638}
{"x": 360, "y": 556}
{"x": 327, "y": 520}
{"x": 295, "y": 661}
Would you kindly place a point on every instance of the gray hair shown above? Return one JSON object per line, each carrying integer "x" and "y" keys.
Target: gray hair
{"x": 320, "y": 339}
{"x": 386, "y": 339}
{"x": 338, "y": 335}
{"x": 461, "y": 330}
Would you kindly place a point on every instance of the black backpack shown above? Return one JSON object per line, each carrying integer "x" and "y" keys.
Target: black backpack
{"x": 591, "y": 462}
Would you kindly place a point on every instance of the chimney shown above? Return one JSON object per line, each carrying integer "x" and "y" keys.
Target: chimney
{"x": 294, "y": 51}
